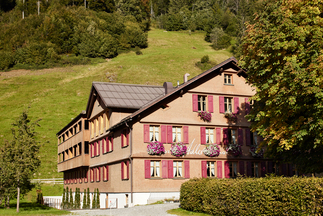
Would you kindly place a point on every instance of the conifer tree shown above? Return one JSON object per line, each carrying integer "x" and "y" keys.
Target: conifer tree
{"x": 84, "y": 200}
{"x": 67, "y": 199}
{"x": 88, "y": 199}
{"x": 63, "y": 200}
{"x": 97, "y": 198}
{"x": 71, "y": 199}
{"x": 94, "y": 200}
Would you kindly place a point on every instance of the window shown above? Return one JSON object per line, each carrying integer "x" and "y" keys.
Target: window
{"x": 233, "y": 169}
{"x": 101, "y": 127}
{"x": 254, "y": 138}
{"x": 201, "y": 103}
{"x": 105, "y": 173}
{"x": 154, "y": 168}
{"x": 210, "y": 169}
{"x": 153, "y": 133}
{"x": 209, "y": 135}
{"x": 227, "y": 79}
{"x": 86, "y": 147}
{"x": 254, "y": 169}
{"x": 92, "y": 129}
{"x": 228, "y": 104}
{"x": 85, "y": 174}
{"x": 177, "y": 134}
{"x": 96, "y": 127}
{"x": 98, "y": 174}
{"x": 125, "y": 138}
{"x": 177, "y": 169}
{"x": 232, "y": 136}
{"x": 74, "y": 150}
{"x": 107, "y": 121}
{"x": 125, "y": 170}
{"x": 86, "y": 125}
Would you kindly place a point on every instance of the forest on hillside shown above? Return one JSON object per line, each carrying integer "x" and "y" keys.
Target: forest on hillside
{"x": 51, "y": 32}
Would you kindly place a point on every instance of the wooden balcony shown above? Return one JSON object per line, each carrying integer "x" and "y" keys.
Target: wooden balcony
{"x": 75, "y": 162}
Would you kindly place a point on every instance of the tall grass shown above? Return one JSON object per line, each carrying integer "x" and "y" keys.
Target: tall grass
{"x": 58, "y": 95}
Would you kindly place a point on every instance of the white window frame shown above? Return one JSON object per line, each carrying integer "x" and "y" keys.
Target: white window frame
{"x": 178, "y": 168}
{"x": 155, "y": 169}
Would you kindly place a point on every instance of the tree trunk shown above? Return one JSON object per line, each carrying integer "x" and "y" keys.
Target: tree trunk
{"x": 8, "y": 199}
{"x": 18, "y": 198}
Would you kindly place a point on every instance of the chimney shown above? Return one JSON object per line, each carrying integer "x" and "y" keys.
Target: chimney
{"x": 185, "y": 77}
{"x": 168, "y": 86}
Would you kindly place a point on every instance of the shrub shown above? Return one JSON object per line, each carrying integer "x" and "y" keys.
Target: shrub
{"x": 205, "y": 59}
{"x": 6, "y": 60}
{"x": 253, "y": 196}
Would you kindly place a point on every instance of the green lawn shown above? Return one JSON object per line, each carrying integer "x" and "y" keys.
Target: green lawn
{"x": 58, "y": 95}
{"x": 183, "y": 212}
{"x": 27, "y": 208}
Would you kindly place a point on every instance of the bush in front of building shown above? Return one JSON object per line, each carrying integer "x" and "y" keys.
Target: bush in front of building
{"x": 253, "y": 196}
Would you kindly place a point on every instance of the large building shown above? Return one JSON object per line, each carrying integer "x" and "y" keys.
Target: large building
{"x": 105, "y": 147}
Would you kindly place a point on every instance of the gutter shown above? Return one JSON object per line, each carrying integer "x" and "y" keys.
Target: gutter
{"x": 131, "y": 162}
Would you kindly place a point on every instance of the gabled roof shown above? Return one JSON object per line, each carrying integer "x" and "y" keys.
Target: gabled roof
{"x": 119, "y": 95}
{"x": 230, "y": 63}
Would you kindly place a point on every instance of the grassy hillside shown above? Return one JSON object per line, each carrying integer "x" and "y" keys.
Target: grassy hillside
{"x": 58, "y": 95}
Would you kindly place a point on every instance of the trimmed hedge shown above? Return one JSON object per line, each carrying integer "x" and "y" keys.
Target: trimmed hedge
{"x": 253, "y": 196}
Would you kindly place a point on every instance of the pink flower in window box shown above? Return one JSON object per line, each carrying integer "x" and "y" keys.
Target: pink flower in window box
{"x": 212, "y": 150}
{"x": 155, "y": 148}
{"x": 255, "y": 152}
{"x": 233, "y": 117}
{"x": 235, "y": 149}
{"x": 205, "y": 116}
{"x": 178, "y": 149}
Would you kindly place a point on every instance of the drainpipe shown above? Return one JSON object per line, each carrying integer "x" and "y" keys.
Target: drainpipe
{"x": 131, "y": 163}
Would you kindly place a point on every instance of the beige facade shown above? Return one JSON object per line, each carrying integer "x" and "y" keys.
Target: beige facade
{"x": 117, "y": 161}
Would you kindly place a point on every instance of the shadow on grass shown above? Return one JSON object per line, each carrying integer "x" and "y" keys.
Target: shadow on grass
{"x": 27, "y": 208}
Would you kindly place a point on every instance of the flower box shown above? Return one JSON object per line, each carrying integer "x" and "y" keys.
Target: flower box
{"x": 205, "y": 116}
{"x": 232, "y": 117}
{"x": 234, "y": 149}
{"x": 155, "y": 148}
{"x": 212, "y": 150}
{"x": 255, "y": 152}
{"x": 178, "y": 149}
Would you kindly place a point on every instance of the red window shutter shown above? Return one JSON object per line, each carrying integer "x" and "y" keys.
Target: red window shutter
{"x": 221, "y": 104}
{"x": 98, "y": 147}
{"x": 169, "y": 134}
{"x": 87, "y": 175}
{"x": 111, "y": 140}
{"x": 107, "y": 144}
{"x": 128, "y": 169}
{"x": 95, "y": 153}
{"x": 94, "y": 174}
{"x": 170, "y": 169}
{"x": 203, "y": 136}
{"x": 204, "y": 169}
{"x": 195, "y": 103}
{"x": 241, "y": 167}
{"x": 249, "y": 171}
{"x": 163, "y": 135}
{"x": 187, "y": 169}
{"x": 219, "y": 168}
{"x": 290, "y": 170}
{"x": 270, "y": 166}
{"x": 122, "y": 167}
{"x": 284, "y": 170}
{"x": 247, "y": 106}
{"x": 240, "y": 137}
{"x": 147, "y": 169}
{"x": 263, "y": 168}
{"x": 218, "y": 135}
{"x": 99, "y": 168}
{"x": 122, "y": 138}
{"x": 103, "y": 144}
{"x": 127, "y": 135}
{"x": 185, "y": 132}
{"x": 225, "y": 136}
{"x": 226, "y": 169}
{"x": 146, "y": 133}
{"x": 248, "y": 137}
{"x": 236, "y": 105}
{"x": 164, "y": 169}
{"x": 210, "y": 103}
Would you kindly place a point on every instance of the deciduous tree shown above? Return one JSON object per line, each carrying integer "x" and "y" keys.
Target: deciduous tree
{"x": 283, "y": 54}
{"x": 19, "y": 157}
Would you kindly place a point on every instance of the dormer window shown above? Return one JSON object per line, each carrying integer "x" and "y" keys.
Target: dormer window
{"x": 227, "y": 79}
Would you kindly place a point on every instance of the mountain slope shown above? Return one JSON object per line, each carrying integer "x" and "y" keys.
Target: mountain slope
{"x": 58, "y": 95}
